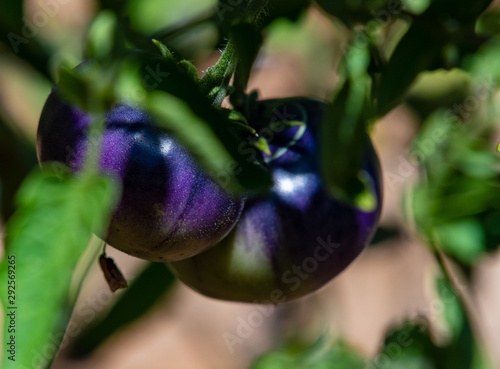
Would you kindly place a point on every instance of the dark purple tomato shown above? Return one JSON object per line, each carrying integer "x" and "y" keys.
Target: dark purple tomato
{"x": 169, "y": 209}
{"x": 297, "y": 237}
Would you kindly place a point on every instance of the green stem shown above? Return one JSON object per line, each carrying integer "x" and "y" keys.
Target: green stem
{"x": 221, "y": 73}
{"x": 460, "y": 288}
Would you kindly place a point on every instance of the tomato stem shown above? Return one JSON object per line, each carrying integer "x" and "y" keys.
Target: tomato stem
{"x": 215, "y": 82}
{"x": 460, "y": 287}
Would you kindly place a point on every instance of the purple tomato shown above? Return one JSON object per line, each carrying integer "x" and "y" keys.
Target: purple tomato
{"x": 169, "y": 208}
{"x": 297, "y": 237}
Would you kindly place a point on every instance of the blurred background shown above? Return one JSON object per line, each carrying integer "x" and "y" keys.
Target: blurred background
{"x": 390, "y": 282}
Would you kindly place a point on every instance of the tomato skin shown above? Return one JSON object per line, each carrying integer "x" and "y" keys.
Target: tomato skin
{"x": 295, "y": 239}
{"x": 169, "y": 207}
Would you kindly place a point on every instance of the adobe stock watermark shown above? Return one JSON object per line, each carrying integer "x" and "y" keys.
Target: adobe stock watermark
{"x": 423, "y": 148}
{"x": 88, "y": 311}
{"x": 47, "y": 9}
{"x": 292, "y": 280}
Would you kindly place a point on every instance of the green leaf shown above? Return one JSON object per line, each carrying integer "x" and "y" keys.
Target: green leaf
{"x": 483, "y": 65}
{"x": 438, "y": 89}
{"x": 320, "y": 355}
{"x": 458, "y": 197}
{"x": 453, "y": 313}
{"x": 206, "y": 131}
{"x": 489, "y": 23}
{"x": 344, "y": 138}
{"x": 46, "y": 237}
{"x": 167, "y": 54}
{"x": 150, "y": 16}
{"x": 416, "y": 6}
{"x": 89, "y": 85}
{"x": 419, "y": 50}
{"x": 184, "y": 64}
{"x": 464, "y": 239}
{"x": 101, "y": 35}
{"x": 153, "y": 284}
{"x": 262, "y": 144}
{"x": 190, "y": 69}
{"x": 211, "y": 143}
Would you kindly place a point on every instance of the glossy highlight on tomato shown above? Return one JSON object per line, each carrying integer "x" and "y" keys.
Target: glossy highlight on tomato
{"x": 169, "y": 208}
{"x": 293, "y": 240}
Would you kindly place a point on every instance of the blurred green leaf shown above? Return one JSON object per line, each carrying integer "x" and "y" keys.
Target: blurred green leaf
{"x": 459, "y": 195}
{"x": 101, "y": 37}
{"x": 153, "y": 284}
{"x": 50, "y": 230}
{"x": 343, "y": 135}
{"x": 219, "y": 157}
{"x": 489, "y": 23}
{"x": 453, "y": 314}
{"x": 416, "y": 6}
{"x": 207, "y": 132}
{"x": 483, "y": 65}
{"x": 438, "y": 89}
{"x": 148, "y": 16}
{"x": 90, "y": 85}
{"x": 171, "y": 94}
{"x": 464, "y": 239}
{"x": 419, "y": 50}
{"x": 318, "y": 356}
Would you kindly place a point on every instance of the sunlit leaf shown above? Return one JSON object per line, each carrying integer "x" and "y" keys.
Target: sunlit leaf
{"x": 101, "y": 35}
{"x": 464, "y": 239}
{"x": 50, "y": 230}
